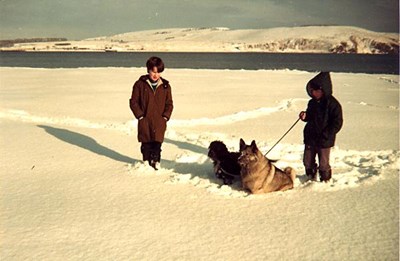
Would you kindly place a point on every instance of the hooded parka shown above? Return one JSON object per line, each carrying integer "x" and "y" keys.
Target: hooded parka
{"x": 154, "y": 105}
{"x": 324, "y": 117}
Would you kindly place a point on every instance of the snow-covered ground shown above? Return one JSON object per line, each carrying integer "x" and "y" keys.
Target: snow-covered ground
{"x": 307, "y": 39}
{"x": 73, "y": 188}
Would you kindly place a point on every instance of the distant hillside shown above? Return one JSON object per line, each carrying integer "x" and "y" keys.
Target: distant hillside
{"x": 308, "y": 39}
{"x": 9, "y": 43}
{"x": 325, "y": 39}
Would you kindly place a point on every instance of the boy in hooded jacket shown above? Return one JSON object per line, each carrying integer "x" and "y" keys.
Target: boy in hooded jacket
{"x": 151, "y": 103}
{"x": 324, "y": 119}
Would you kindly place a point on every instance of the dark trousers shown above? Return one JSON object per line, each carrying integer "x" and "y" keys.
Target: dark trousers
{"x": 310, "y": 152}
{"x": 151, "y": 151}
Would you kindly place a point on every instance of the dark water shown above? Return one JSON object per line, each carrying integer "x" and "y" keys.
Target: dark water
{"x": 355, "y": 63}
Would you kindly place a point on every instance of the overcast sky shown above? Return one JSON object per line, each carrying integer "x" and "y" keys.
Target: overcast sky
{"x": 79, "y": 19}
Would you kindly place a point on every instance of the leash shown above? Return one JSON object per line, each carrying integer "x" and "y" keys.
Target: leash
{"x": 283, "y": 136}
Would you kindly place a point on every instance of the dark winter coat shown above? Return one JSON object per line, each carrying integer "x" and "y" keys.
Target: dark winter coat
{"x": 324, "y": 117}
{"x": 155, "y": 106}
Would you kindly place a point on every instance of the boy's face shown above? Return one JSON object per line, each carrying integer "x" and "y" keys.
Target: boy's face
{"x": 317, "y": 94}
{"x": 154, "y": 74}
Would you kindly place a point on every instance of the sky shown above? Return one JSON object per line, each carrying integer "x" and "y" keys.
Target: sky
{"x": 80, "y": 19}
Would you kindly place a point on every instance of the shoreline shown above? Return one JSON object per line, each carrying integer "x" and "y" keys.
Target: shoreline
{"x": 199, "y": 52}
{"x": 287, "y": 70}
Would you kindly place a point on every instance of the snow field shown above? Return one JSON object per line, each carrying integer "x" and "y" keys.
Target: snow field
{"x": 72, "y": 185}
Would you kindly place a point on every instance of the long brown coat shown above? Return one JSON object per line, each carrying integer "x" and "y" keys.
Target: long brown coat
{"x": 154, "y": 106}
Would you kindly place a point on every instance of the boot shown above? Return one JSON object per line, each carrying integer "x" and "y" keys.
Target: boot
{"x": 154, "y": 164}
{"x": 311, "y": 174}
{"x": 154, "y": 160}
{"x": 325, "y": 175}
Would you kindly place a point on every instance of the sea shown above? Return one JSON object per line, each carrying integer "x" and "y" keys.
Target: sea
{"x": 350, "y": 63}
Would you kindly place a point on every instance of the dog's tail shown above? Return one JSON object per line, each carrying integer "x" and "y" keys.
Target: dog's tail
{"x": 291, "y": 173}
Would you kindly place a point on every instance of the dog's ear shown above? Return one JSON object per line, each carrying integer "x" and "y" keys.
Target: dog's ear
{"x": 242, "y": 144}
{"x": 254, "y": 146}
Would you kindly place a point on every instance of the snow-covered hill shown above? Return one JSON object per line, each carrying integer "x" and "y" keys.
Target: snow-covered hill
{"x": 337, "y": 39}
{"x": 308, "y": 39}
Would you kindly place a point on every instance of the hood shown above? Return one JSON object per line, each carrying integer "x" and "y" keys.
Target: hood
{"x": 323, "y": 81}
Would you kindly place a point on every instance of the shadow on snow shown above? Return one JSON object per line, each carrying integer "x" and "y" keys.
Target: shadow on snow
{"x": 201, "y": 170}
{"x": 87, "y": 143}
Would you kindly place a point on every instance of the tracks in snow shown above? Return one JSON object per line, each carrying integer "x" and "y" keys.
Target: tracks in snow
{"x": 351, "y": 168}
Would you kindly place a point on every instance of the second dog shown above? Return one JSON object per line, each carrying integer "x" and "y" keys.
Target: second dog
{"x": 258, "y": 173}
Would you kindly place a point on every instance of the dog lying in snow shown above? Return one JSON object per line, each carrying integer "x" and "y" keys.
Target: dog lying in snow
{"x": 226, "y": 166}
{"x": 258, "y": 173}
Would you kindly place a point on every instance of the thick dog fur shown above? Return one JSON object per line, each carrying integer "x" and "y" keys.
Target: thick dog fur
{"x": 258, "y": 173}
{"x": 226, "y": 166}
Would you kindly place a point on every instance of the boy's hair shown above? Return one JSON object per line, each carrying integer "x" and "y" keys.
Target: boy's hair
{"x": 155, "y": 62}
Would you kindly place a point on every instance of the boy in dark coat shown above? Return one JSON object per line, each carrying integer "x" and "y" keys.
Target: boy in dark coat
{"x": 324, "y": 120}
{"x": 151, "y": 103}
